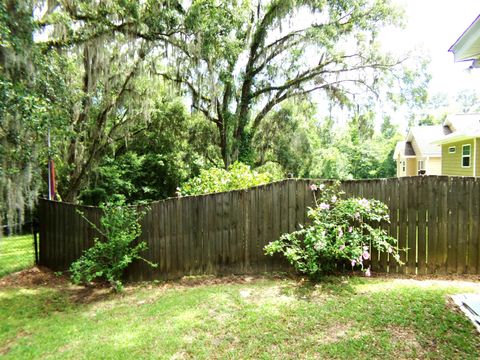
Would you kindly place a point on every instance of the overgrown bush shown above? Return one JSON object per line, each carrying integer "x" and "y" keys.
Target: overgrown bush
{"x": 238, "y": 176}
{"x": 108, "y": 258}
{"x": 340, "y": 230}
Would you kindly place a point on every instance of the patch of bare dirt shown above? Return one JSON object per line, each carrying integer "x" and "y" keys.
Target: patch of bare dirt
{"x": 204, "y": 280}
{"x": 42, "y": 277}
{"x": 33, "y": 277}
{"x": 438, "y": 282}
{"x": 179, "y": 355}
{"x": 5, "y": 349}
{"x": 439, "y": 277}
{"x": 222, "y": 280}
{"x": 406, "y": 339}
{"x": 89, "y": 294}
{"x": 337, "y": 332}
{"x": 420, "y": 280}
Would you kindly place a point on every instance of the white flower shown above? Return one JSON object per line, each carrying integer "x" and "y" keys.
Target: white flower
{"x": 319, "y": 245}
{"x": 364, "y": 202}
{"x": 324, "y": 206}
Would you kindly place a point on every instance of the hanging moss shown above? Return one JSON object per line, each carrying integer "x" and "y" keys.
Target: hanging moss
{"x": 20, "y": 114}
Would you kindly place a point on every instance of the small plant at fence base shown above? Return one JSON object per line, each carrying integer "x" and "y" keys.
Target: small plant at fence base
{"x": 108, "y": 258}
{"x": 341, "y": 230}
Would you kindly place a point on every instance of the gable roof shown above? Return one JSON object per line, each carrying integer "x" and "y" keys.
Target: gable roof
{"x": 464, "y": 126}
{"x": 404, "y": 149}
{"x": 467, "y": 46}
{"x": 463, "y": 122}
{"x": 423, "y": 136}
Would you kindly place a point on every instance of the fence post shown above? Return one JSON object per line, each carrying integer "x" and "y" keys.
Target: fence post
{"x": 35, "y": 227}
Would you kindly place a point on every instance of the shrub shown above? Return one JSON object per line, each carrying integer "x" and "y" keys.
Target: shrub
{"x": 238, "y": 176}
{"x": 108, "y": 258}
{"x": 340, "y": 230}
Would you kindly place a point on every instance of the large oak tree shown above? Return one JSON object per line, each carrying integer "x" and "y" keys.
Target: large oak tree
{"x": 240, "y": 59}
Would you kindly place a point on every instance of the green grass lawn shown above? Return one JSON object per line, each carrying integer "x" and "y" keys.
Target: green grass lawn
{"x": 16, "y": 253}
{"x": 266, "y": 318}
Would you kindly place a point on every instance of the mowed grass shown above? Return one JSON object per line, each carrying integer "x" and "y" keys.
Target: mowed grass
{"x": 16, "y": 253}
{"x": 266, "y": 318}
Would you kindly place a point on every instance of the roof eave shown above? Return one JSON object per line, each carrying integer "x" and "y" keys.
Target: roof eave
{"x": 456, "y": 138}
{"x": 465, "y": 41}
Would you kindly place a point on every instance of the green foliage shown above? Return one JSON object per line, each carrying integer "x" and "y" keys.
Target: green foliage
{"x": 110, "y": 80}
{"x": 107, "y": 259}
{"x": 340, "y": 230}
{"x": 22, "y": 110}
{"x": 35, "y": 95}
{"x": 252, "y": 58}
{"x": 238, "y": 176}
{"x": 306, "y": 146}
{"x": 155, "y": 161}
{"x": 287, "y": 137}
{"x": 468, "y": 101}
{"x": 16, "y": 253}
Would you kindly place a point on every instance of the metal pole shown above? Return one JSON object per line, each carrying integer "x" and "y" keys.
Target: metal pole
{"x": 49, "y": 168}
{"x": 35, "y": 240}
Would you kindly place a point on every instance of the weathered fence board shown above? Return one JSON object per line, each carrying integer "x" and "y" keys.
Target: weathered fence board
{"x": 435, "y": 218}
{"x": 422, "y": 241}
{"x": 393, "y": 232}
{"x": 474, "y": 243}
{"x": 432, "y": 224}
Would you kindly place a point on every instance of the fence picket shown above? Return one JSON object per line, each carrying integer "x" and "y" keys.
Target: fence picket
{"x": 432, "y": 224}
{"x": 452, "y": 229}
{"x": 394, "y": 213}
{"x": 422, "y": 196}
{"x": 474, "y": 258}
{"x": 461, "y": 245}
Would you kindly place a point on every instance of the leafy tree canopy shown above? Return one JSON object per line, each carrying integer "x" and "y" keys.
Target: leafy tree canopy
{"x": 140, "y": 96}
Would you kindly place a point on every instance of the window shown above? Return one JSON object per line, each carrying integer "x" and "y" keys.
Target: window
{"x": 452, "y": 149}
{"x": 466, "y": 154}
{"x": 403, "y": 166}
{"x": 421, "y": 165}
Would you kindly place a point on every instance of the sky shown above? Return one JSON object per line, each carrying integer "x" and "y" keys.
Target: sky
{"x": 431, "y": 28}
{"x": 434, "y": 26}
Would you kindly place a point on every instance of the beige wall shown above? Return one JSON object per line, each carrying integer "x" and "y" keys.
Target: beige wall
{"x": 411, "y": 166}
{"x": 399, "y": 167}
{"x": 452, "y": 163}
{"x": 433, "y": 166}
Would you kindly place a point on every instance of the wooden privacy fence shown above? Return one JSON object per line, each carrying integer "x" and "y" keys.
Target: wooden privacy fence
{"x": 435, "y": 217}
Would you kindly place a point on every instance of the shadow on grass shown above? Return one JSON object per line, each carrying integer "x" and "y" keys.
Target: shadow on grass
{"x": 333, "y": 286}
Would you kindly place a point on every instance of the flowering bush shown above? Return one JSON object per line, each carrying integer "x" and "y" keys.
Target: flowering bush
{"x": 340, "y": 230}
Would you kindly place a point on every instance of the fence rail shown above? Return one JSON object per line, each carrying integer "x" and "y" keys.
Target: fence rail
{"x": 435, "y": 217}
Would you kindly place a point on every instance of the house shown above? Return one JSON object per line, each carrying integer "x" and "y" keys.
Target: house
{"x": 467, "y": 47}
{"x": 452, "y": 148}
{"x": 417, "y": 155}
{"x": 460, "y": 149}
